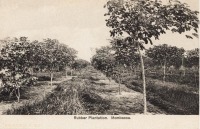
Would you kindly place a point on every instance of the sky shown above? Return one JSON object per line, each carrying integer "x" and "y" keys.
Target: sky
{"x": 78, "y": 23}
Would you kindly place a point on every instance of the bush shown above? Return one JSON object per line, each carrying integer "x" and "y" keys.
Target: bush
{"x": 30, "y": 81}
{"x": 5, "y": 94}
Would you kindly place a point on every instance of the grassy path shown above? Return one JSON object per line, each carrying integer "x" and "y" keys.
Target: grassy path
{"x": 129, "y": 102}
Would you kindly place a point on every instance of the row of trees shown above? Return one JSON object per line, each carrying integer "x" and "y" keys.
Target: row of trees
{"x": 20, "y": 57}
{"x": 138, "y": 21}
{"x": 165, "y": 55}
{"x": 111, "y": 63}
{"x": 172, "y": 57}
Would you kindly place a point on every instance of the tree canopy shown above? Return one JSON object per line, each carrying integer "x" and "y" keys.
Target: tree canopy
{"x": 192, "y": 58}
{"x": 104, "y": 60}
{"x": 160, "y": 54}
{"x": 141, "y": 20}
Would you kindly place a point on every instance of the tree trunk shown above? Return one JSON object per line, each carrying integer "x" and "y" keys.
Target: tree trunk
{"x": 44, "y": 91}
{"x": 51, "y": 75}
{"x": 119, "y": 85}
{"x": 144, "y": 81}
{"x": 17, "y": 93}
{"x": 195, "y": 80}
{"x": 71, "y": 72}
{"x": 109, "y": 78}
{"x": 31, "y": 70}
{"x": 11, "y": 93}
{"x": 66, "y": 73}
{"x": 135, "y": 72}
{"x": 131, "y": 73}
{"x": 183, "y": 66}
{"x": 164, "y": 71}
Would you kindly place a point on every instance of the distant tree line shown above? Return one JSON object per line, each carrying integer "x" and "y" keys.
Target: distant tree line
{"x": 163, "y": 56}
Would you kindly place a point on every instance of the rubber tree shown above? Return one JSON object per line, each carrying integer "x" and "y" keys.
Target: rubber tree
{"x": 72, "y": 55}
{"x": 54, "y": 56}
{"x": 142, "y": 20}
{"x": 15, "y": 63}
{"x": 126, "y": 56}
{"x": 165, "y": 55}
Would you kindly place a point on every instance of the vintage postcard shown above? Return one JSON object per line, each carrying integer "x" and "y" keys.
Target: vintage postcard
{"x": 99, "y": 64}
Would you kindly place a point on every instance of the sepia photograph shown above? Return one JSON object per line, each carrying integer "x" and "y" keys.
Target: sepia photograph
{"x": 93, "y": 58}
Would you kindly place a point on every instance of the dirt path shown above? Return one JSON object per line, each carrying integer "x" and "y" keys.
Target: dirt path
{"x": 129, "y": 102}
{"x": 34, "y": 93}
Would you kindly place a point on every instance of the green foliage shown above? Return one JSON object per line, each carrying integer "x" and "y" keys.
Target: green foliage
{"x": 111, "y": 61}
{"x": 16, "y": 61}
{"x": 164, "y": 53}
{"x": 55, "y": 55}
{"x": 125, "y": 53}
{"x": 140, "y": 20}
{"x": 104, "y": 60}
{"x": 79, "y": 64}
{"x": 19, "y": 56}
{"x": 192, "y": 58}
